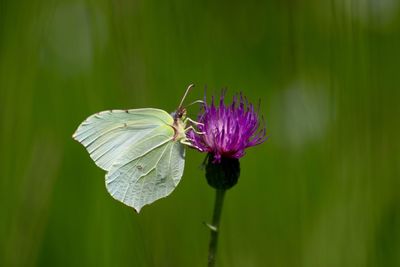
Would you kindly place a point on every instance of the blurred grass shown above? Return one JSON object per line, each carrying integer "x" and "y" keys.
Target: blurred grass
{"x": 323, "y": 190}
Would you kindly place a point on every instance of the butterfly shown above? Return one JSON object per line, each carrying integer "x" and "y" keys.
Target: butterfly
{"x": 142, "y": 150}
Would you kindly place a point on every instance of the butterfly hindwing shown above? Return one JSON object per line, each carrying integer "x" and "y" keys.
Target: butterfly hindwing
{"x": 150, "y": 170}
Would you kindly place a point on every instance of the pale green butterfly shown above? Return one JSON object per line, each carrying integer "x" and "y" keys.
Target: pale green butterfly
{"x": 142, "y": 151}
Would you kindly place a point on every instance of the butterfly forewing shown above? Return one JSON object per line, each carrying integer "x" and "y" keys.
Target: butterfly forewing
{"x": 106, "y": 135}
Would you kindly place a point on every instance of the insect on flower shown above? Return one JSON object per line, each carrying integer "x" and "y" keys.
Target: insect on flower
{"x": 227, "y": 129}
{"x": 142, "y": 150}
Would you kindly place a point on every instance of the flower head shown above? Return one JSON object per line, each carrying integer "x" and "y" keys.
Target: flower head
{"x": 227, "y": 130}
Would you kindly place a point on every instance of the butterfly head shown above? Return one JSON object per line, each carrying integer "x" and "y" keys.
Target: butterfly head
{"x": 180, "y": 114}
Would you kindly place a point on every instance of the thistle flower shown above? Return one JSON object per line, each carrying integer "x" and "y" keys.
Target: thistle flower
{"x": 224, "y": 132}
{"x": 227, "y": 130}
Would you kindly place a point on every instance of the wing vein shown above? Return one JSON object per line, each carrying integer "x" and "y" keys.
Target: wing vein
{"x": 147, "y": 151}
{"x": 152, "y": 169}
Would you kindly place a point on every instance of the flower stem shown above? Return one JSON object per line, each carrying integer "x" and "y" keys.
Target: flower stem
{"x": 214, "y": 227}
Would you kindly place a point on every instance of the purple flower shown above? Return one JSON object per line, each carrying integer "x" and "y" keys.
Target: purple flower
{"x": 227, "y": 130}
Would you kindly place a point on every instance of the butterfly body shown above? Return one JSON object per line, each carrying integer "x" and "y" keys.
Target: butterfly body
{"x": 179, "y": 124}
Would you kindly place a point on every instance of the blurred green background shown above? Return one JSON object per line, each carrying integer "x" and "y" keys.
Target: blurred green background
{"x": 322, "y": 191}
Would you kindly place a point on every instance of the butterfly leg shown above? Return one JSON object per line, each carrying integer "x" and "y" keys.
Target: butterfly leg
{"x": 194, "y": 130}
{"x": 186, "y": 142}
{"x": 193, "y": 122}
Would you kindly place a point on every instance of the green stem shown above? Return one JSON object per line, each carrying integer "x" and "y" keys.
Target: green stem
{"x": 214, "y": 227}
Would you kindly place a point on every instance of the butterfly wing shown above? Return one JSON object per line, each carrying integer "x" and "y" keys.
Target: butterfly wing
{"x": 150, "y": 170}
{"x": 137, "y": 149}
{"x": 108, "y": 134}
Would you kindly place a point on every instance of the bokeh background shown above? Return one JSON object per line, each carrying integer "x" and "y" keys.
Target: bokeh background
{"x": 324, "y": 190}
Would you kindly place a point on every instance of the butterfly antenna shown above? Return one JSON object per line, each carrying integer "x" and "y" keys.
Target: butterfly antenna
{"x": 195, "y": 102}
{"x": 184, "y": 96}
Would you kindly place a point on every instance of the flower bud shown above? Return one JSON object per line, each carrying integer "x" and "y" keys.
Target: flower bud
{"x": 223, "y": 174}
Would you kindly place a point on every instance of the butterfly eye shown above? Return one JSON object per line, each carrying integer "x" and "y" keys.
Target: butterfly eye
{"x": 181, "y": 113}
